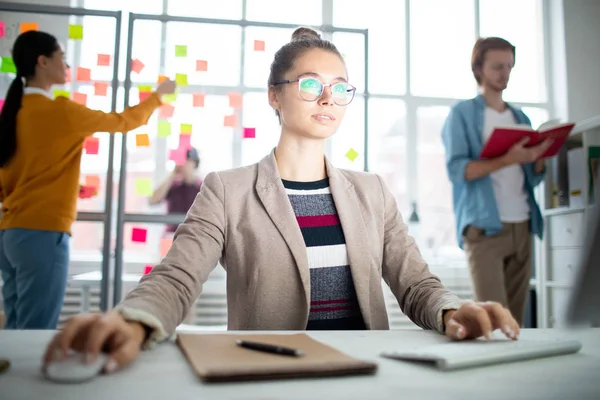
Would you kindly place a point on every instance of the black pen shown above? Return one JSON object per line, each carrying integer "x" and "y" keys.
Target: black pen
{"x": 269, "y": 348}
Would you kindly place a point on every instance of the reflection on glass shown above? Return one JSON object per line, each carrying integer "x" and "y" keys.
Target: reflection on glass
{"x": 309, "y": 12}
{"x": 348, "y": 143}
{"x": 223, "y": 9}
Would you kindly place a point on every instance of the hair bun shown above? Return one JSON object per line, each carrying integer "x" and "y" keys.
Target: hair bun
{"x": 305, "y": 34}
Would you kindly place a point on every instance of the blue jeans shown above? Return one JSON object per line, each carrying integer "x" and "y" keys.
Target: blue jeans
{"x": 34, "y": 266}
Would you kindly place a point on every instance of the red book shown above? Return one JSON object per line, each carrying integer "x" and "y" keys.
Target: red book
{"x": 503, "y": 138}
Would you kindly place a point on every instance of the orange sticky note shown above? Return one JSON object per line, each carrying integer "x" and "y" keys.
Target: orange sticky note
{"x": 166, "y": 111}
{"x": 165, "y": 245}
{"x": 201, "y": 65}
{"x": 162, "y": 78}
{"x": 91, "y": 145}
{"x": 230, "y": 121}
{"x": 137, "y": 66}
{"x": 103, "y": 60}
{"x": 235, "y": 100}
{"x": 142, "y": 140}
{"x": 144, "y": 95}
{"x": 198, "y": 99}
{"x": 100, "y": 88}
{"x": 259, "y": 45}
{"x": 68, "y": 75}
{"x": 28, "y": 26}
{"x": 80, "y": 98}
{"x": 93, "y": 181}
{"x": 84, "y": 74}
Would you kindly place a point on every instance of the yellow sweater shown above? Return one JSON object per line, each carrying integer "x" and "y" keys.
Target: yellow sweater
{"x": 40, "y": 185}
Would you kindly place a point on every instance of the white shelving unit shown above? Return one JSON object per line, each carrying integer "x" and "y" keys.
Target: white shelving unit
{"x": 558, "y": 254}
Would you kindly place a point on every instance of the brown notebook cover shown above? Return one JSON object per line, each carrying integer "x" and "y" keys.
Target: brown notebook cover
{"x": 217, "y": 358}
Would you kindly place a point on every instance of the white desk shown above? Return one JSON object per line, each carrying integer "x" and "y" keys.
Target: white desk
{"x": 163, "y": 373}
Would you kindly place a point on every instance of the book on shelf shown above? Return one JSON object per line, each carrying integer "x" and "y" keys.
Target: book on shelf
{"x": 593, "y": 170}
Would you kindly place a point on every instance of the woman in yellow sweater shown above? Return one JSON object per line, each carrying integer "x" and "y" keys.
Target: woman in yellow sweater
{"x": 40, "y": 151}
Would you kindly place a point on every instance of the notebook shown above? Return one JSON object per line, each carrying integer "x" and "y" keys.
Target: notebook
{"x": 217, "y": 358}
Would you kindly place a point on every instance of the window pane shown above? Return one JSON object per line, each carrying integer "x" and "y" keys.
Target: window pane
{"x": 258, "y": 63}
{"x": 525, "y": 32}
{"x": 223, "y": 9}
{"x": 537, "y": 115}
{"x": 441, "y": 40}
{"x": 309, "y": 12}
{"x": 350, "y": 138}
{"x": 146, "y": 48}
{"x": 434, "y": 201}
{"x": 222, "y": 56}
{"x": 259, "y": 115}
{"x": 387, "y": 66}
{"x": 352, "y": 47}
{"x": 387, "y": 146}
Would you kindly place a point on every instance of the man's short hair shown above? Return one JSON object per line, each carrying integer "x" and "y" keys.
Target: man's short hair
{"x": 482, "y": 46}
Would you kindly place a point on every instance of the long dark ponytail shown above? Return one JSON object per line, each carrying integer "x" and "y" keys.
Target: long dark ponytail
{"x": 28, "y": 47}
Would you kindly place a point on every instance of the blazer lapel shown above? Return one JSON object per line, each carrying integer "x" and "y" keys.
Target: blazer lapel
{"x": 272, "y": 194}
{"x": 348, "y": 209}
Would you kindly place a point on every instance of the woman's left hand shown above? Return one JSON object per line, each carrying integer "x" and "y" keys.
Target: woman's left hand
{"x": 473, "y": 320}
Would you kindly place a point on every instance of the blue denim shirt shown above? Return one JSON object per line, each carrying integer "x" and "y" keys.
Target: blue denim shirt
{"x": 474, "y": 201}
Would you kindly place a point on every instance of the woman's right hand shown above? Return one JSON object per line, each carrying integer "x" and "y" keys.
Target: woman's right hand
{"x": 93, "y": 333}
{"x": 166, "y": 87}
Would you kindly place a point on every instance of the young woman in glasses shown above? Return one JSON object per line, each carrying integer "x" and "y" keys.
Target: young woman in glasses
{"x": 305, "y": 244}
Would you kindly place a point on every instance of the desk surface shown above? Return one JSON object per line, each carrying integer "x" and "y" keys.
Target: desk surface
{"x": 163, "y": 373}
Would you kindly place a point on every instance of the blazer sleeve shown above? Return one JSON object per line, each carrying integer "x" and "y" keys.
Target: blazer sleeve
{"x": 163, "y": 298}
{"x": 454, "y": 138}
{"x": 420, "y": 294}
{"x": 86, "y": 122}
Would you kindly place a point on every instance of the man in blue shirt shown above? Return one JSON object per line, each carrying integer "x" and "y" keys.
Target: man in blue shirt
{"x": 495, "y": 208}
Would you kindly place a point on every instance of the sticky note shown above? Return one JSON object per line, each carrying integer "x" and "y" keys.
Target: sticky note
{"x": 351, "y": 154}
{"x": 169, "y": 98}
{"x": 8, "y": 65}
{"x": 145, "y": 88}
{"x": 259, "y": 45}
{"x": 147, "y": 269}
{"x": 103, "y": 60}
{"x": 62, "y": 93}
{"x": 2, "y": 29}
{"x": 186, "y": 129}
{"x": 1, "y": 104}
{"x": 198, "y": 99}
{"x": 181, "y": 79}
{"x": 91, "y": 145}
{"x": 101, "y": 88}
{"x": 83, "y": 74}
{"x": 139, "y": 235}
{"x": 144, "y": 95}
{"x": 68, "y": 74}
{"x": 180, "y": 50}
{"x": 178, "y": 156}
{"x": 235, "y": 100}
{"x": 165, "y": 245}
{"x": 28, "y": 26}
{"x": 142, "y": 140}
{"x": 164, "y": 128}
{"x": 137, "y": 66}
{"x": 185, "y": 142}
{"x": 143, "y": 187}
{"x": 249, "y": 133}
{"x": 162, "y": 78}
{"x": 166, "y": 111}
{"x": 93, "y": 181}
{"x": 76, "y": 32}
{"x": 230, "y": 121}
{"x": 201, "y": 65}
{"x": 80, "y": 98}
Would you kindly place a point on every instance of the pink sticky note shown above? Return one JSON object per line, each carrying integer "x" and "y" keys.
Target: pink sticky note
{"x": 137, "y": 66}
{"x": 201, "y": 65}
{"x": 165, "y": 245}
{"x": 2, "y": 29}
{"x": 147, "y": 269}
{"x": 68, "y": 75}
{"x": 139, "y": 235}
{"x": 235, "y": 100}
{"x": 91, "y": 145}
{"x": 1, "y": 104}
{"x": 84, "y": 74}
{"x": 80, "y": 98}
{"x": 166, "y": 111}
{"x": 101, "y": 88}
{"x": 178, "y": 156}
{"x": 198, "y": 100}
{"x": 103, "y": 60}
{"x": 249, "y": 133}
{"x": 185, "y": 142}
{"x": 230, "y": 121}
{"x": 259, "y": 45}
{"x": 144, "y": 95}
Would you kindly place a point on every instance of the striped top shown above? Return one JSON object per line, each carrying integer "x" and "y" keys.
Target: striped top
{"x": 333, "y": 301}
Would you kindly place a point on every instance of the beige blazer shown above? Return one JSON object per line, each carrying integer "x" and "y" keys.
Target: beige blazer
{"x": 243, "y": 218}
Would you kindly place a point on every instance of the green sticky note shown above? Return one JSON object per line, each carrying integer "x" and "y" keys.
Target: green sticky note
{"x": 145, "y": 88}
{"x": 76, "y": 32}
{"x": 181, "y": 79}
{"x": 180, "y": 50}
{"x": 143, "y": 187}
{"x": 351, "y": 154}
{"x": 186, "y": 128}
{"x": 62, "y": 93}
{"x": 8, "y": 65}
{"x": 169, "y": 98}
{"x": 164, "y": 128}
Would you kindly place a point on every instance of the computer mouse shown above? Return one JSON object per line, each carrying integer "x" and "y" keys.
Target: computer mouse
{"x": 74, "y": 369}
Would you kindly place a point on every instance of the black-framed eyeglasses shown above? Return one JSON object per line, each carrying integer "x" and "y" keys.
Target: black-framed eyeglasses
{"x": 311, "y": 89}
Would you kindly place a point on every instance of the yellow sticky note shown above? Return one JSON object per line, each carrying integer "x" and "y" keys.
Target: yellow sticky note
{"x": 143, "y": 187}
{"x": 169, "y": 98}
{"x": 186, "y": 129}
{"x": 180, "y": 50}
{"x": 142, "y": 140}
{"x": 351, "y": 154}
{"x": 181, "y": 79}
{"x": 62, "y": 93}
{"x": 145, "y": 88}
{"x": 76, "y": 32}
{"x": 164, "y": 128}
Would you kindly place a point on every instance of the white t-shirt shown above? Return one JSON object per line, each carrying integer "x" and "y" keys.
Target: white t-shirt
{"x": 509, "y": 181}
